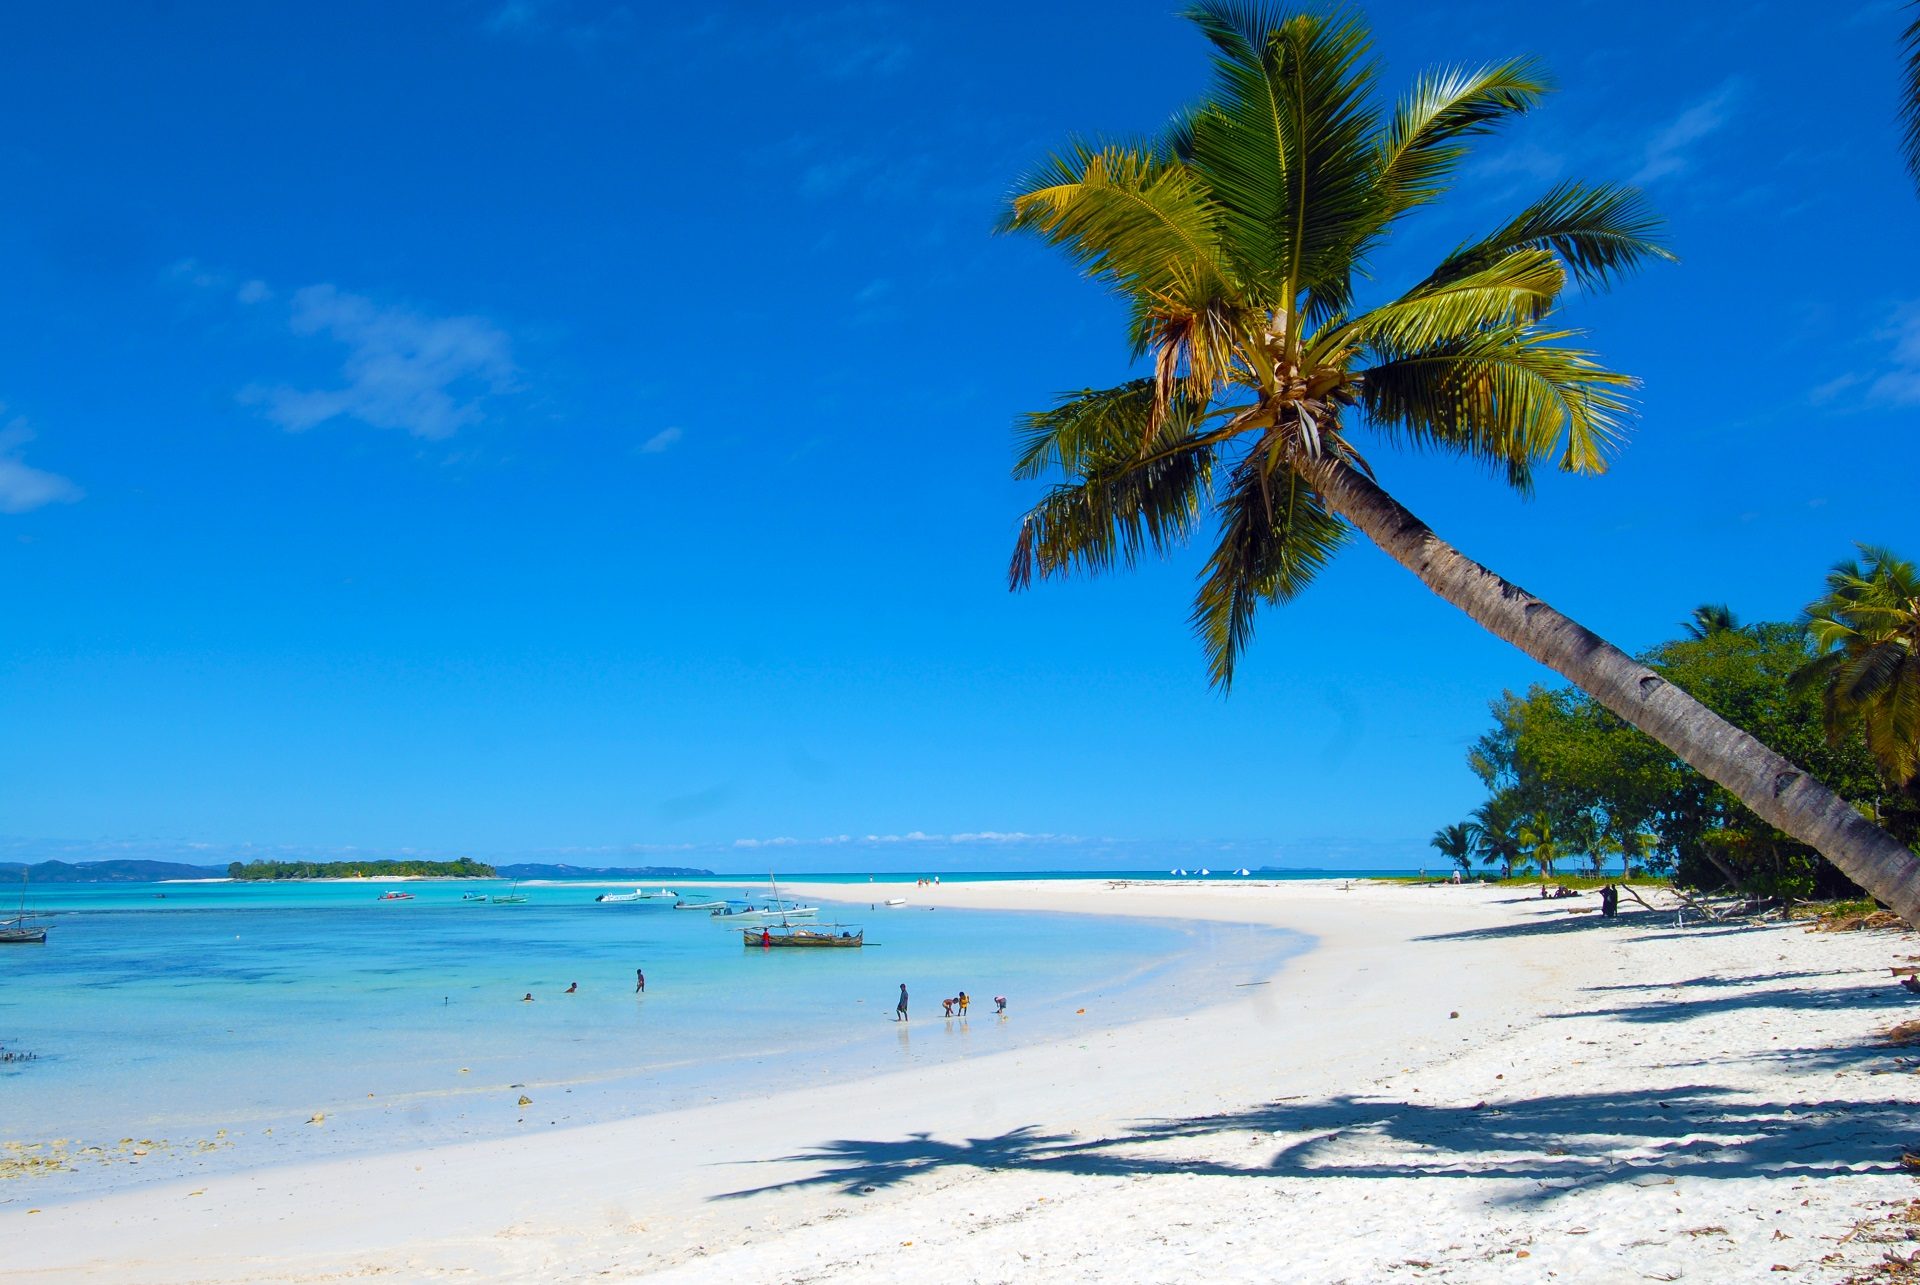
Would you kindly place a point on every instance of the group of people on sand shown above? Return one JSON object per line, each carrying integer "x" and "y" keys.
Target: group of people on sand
{"x": 924, "y": 882}
{"x": 573, "y": 988}
{"x": 958, "y": 1002}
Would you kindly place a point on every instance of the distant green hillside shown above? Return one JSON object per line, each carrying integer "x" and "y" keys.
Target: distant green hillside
{"x": 461, "y": 869}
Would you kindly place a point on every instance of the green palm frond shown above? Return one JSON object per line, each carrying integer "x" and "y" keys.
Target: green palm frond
{"x": 1509, "y": 396}
{"x": 1275, "y": 535}
{"x": 1126, "y": 215}
{"x": 1285, "y": 146}
{"x": 1423, "y": 143}
{"x": 1519, "y": 288}
{"x": 1601, "y": 231}
{"x": 1132, "y": 493}
{"x": 1910, "y": 100}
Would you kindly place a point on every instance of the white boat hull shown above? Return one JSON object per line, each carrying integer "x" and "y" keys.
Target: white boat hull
{"x": 767, "y": 916}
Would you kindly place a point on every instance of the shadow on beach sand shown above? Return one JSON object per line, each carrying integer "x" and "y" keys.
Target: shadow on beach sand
{"x": 1554, "y": 920}
{"x": 1562, "y": 1144}
{"x": 1558, "y": 1143}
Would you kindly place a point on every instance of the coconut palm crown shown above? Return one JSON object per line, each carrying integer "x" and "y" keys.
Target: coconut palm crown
{"x": 1710, "y": 618}
{"x": 1237, "y": 241}
{"x": 1867, "y": 628}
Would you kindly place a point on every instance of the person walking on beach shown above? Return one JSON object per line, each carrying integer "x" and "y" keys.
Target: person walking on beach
{"x": 639, "y": 981}
{"x": 900, "y": 1009}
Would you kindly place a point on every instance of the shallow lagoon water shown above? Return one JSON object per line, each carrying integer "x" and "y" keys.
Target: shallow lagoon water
{"x": 171, "y": 1012}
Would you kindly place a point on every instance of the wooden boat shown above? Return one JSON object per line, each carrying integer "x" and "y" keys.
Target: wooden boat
{"x": 815, "y": 936}
{"x": 17, "y": 931}
{"x": 511, "y": 899}
{"x": 710, "y": 905}
{"x": 396, "y": 896}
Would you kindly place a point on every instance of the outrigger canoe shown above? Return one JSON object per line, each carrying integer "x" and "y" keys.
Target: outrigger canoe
{"x": 821, "y": 937}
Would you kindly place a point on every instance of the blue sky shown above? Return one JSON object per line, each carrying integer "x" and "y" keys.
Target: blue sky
{"x": 566, "y": 430}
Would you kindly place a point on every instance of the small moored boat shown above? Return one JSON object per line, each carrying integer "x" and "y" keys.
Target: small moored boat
{"x": 769, "y": 912}
{"x": 638, "y": 894}
{"x": 827, "y": 936}
{"x": 396, "y": 896}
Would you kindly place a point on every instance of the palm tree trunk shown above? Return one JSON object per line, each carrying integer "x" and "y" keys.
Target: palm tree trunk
{"x": 1781, "y": 793}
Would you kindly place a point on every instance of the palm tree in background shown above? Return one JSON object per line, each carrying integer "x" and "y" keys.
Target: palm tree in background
{"x": 1456, "y": 843}
{"x": 1710, "y": 618}
{"x": 1235, "y": 240}
{"x": 1542, "y": 845}
{"x": 1867, "y": 628}
{"x": 1496, "y": 837}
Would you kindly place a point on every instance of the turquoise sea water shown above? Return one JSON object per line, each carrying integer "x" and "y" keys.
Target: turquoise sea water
{"x": 167, "y": 1013}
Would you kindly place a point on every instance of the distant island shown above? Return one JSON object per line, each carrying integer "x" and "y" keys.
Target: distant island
{"x": 254, "y": 871}
{"x": 537, "y": 871}
{"x": 105, "y": 871}
{"x": 128, "y": 871}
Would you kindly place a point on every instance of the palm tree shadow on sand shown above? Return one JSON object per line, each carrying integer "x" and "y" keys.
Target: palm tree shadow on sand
{"x": 1560, "y": 1144}
{"x": 1556, "y": 1144}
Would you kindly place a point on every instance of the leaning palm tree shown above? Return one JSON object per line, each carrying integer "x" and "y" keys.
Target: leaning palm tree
{"x": 1867, "y": 629}
{"x": 1456, "y": 843}
{"x": 1710, "y": 618}
{"x": 1237, "y": 241}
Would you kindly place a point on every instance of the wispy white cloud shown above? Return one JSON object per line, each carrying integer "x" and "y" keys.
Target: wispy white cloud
{"x": 429, "y": 376}
{"x": 580, "y": 24}
{"x": 1668, "y": 152}
{"x": 663, "y": 440}
{"x": 1899, "y": 384}
{"x": 23, "y": 487}
{"x": 1893, "y": 380}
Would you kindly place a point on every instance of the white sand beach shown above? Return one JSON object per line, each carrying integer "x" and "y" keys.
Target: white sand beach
{"x": 1458, "y": 1083}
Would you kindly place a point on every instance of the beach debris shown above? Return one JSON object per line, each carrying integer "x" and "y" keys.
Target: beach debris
{"x": 318, "y": 1117}
{"x": 1078, "y": 1011}
{"x": 1902, "y": 1033}
{"x": 525, "y": 1101}
{"x": 1454, "y": 1013}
